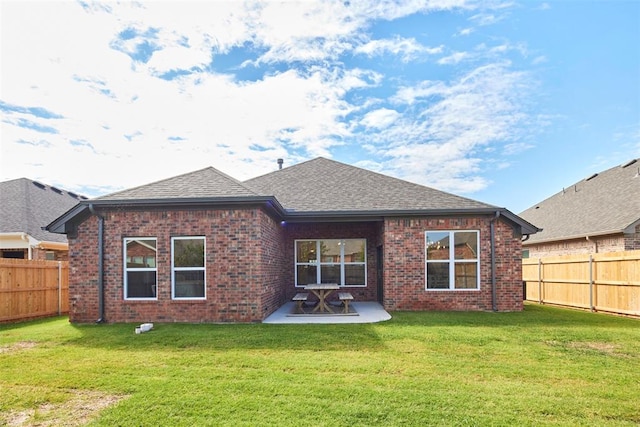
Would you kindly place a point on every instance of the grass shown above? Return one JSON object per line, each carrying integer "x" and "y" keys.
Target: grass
{"x": 543, "y": 366}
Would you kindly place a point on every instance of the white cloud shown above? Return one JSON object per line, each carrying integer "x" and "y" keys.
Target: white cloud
{"x": 454, "y": 58}
{"x": 406, "y": 49}
{"x": 380, "y": 119}
{"x": 457, "y": 119}
{"x": 108, "y": 120}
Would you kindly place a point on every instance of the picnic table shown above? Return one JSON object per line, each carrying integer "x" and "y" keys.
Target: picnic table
{"x": 322, "y": 290}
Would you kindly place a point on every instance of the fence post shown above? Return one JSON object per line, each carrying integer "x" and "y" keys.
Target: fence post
{"x": 539, "y": 280}
{"x": 59, "y": 288}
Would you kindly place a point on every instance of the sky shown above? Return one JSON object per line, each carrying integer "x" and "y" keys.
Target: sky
{"x": 505, "y": 102}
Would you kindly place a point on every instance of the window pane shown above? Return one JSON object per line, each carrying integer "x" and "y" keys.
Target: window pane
{"x": 188, "y": 253}
{"x": 466, "y": 275}
{"x": 330, "y": 274}
{"x": 141, "y": 253}
{"x": 189, "y": 284}
{"x": 466, "y": 245}
{"x": 437, "y": 245}
{"x": 141, "y": 284}
{"x": 307, "y": 274}
{"x": 354, "y": 250}
{"x": 354, "y": 275}
{"x": 306, "y": 251}
{"x": 438, "y": 275}
{"x": 330, "y": 250}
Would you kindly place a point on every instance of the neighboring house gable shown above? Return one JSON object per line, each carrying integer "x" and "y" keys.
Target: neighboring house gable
{"x": 598, "y": 214}
{"x": 225, "y": 250}
{"x": 26, "y": 206}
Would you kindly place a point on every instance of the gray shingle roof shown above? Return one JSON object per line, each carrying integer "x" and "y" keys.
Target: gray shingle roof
{"x": 323, "y": 185}
{"x": 312, "y": 190}
{"x": 605, "y": 203}
{"x": 27, "y": 205}
{"x": 204, "y": 183}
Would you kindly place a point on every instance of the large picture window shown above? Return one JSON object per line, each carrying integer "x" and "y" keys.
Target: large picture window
{"x": 140, "y": 272}
{"x": 452, "y": 260}
{"x": 341, "y": 261}
{"x": 188, "y": 268}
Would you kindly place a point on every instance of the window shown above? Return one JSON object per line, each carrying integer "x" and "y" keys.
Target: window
{"x": 188, "y": 268}
{"x": 140, "y": 274}
{"x": 452, "y": 266}
{"x": 341, "y": 261}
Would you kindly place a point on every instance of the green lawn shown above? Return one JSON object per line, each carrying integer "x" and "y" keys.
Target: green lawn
{"x": 543, "y": 366}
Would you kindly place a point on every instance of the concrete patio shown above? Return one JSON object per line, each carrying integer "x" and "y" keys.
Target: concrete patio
{"x": 364, "y": 312}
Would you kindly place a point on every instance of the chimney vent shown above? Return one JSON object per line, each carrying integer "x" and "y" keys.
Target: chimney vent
{"x": 280, "y": 162}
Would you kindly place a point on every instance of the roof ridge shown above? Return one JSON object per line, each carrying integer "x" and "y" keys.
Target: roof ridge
{"x": 379, "y": 174}
{"x": 176, "y": 177}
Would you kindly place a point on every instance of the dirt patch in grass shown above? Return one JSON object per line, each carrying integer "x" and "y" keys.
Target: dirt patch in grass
{"x": 17, "y": 346}
{"x": 604, "y": 348}
{"x": 81, "y": 408}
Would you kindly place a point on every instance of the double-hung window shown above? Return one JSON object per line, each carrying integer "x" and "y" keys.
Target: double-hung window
{"x": 341, "y": 261}
{"x": 452, "y": 260}
{"x": 140, "y": 271}
{"x": 188, "y": 268}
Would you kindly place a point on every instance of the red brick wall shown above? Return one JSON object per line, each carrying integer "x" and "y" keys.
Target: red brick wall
{"x": 404, "y": 272}
{"x": 83, "y": 273}
{"x": 597, "y": 244}
{"x": 354, "y": 230}
{"x": 632, "y": 240}
{"x": 274, "y": 265}
{"x": 250, "y": 264}
{"x": 237, "y": 278}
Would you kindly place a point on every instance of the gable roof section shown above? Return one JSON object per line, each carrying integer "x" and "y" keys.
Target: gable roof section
{"x": 204, "y": 183}
{"x": 323, "y": 185}
{"x": 604, "y": 203}
{"x": 26, "y": 206}
{"x": 318, "y": 189}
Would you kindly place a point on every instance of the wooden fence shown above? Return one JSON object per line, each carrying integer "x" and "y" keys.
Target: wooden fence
{"x": 607, "y": 282}
{"x": 30, "y": 289}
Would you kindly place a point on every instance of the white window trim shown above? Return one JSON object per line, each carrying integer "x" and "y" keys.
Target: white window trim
{"x": 452, "y": 261}
{"x": 174, "y": 268}
{"x": 318, "y": 264}
{"x": 127, "y": 269}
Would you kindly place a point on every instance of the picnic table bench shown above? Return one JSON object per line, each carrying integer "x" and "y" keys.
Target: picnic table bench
{"x": 300, "y": 298}
{"x": 345, "y": 298}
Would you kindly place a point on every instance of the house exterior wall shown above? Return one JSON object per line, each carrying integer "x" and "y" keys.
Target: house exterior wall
{"x": 239, "y": 284}
{"x": 404, "y": 266}
{"x": 351, "y": 230}
{"x": 611, "y": 243}
{"x": 274, "y": 265}
{"x": 83, "y": 273}
{"x": 36, "y": 254}
{"x": 632, "y": 240}
{"x": 250, "y": 264}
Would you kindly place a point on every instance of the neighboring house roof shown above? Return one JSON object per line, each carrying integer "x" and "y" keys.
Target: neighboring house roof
{"x": 314, "y": 190}
{"x": 604, "y": 203}
{"x": 26, "y": 206}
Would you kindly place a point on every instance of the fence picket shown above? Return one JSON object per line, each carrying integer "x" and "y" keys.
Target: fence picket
{"x": 598, "y": 282}
{"x": 33, "y": 288}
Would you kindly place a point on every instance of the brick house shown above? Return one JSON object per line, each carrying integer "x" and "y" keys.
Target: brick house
{"x": 204, "y": 247}
{"x": 25, "y": 207}
{"x": 598, "y": 214}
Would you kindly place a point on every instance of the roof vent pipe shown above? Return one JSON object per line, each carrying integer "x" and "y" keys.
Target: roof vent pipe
{"x": 280, "y": 162}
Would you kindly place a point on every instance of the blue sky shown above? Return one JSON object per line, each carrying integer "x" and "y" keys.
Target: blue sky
{"x": 501, "y": 101}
